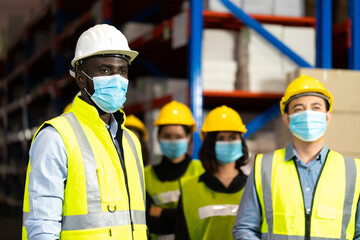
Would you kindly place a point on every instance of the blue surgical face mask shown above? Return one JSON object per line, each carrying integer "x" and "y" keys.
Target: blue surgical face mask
{"x": 308, "y": 125}
{"x": 110, "y": 92}
{"x": 174, "y": 148}
{"x": 228, "y": 151}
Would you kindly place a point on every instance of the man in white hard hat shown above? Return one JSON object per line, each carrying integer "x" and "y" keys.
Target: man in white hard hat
{"x": 304, "y": 191}
{"x": 85, "y": 173}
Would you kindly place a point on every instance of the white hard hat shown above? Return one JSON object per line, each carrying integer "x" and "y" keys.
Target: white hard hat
{"x": 102, "y": 39}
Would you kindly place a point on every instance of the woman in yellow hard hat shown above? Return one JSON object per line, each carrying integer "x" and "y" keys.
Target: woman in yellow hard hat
{"x": 175, "y": 127}
{"x": 208, "y": 203}
{"x": 137, "y": 126}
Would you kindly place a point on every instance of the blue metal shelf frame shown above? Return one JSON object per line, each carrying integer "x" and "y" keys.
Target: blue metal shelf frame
{"x": 354, "y": 50}
{"x": 194, "y": 66}
{"x": 324, "y": 33}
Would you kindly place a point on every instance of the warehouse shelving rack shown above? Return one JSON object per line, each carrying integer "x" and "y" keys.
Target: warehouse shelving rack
{"x": 35, "y": 85}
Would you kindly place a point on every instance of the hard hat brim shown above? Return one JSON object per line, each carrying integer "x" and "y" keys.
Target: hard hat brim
{"x": 131, "y": 53}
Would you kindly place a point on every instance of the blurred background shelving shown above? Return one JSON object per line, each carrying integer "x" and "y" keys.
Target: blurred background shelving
{"x": 35, "y": 59}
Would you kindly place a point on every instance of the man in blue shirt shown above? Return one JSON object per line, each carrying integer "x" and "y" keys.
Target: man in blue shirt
{"x": 85, "y": 175}
{"x": 304, "y": 191}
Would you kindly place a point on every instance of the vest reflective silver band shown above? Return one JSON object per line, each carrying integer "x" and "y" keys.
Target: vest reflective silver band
{"x": 166, "y": 197}
{"x": 266, "y": 172}
{"x": 267, "y": 236}
{"x": 350, "y": 181}
{"x": 103, "y": 219}
{"x": 25, "y": 216}
{"x": 95, "y": 217}
{"x": 92, "y": 182}
{"x": 138, "y": 163}
{"x": 218, "y": 210}
{"x": 166, "y": 237}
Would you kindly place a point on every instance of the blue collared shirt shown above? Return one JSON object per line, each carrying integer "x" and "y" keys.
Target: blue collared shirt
{"x": 47, "y": 180}
{"x": 248, "y": 220}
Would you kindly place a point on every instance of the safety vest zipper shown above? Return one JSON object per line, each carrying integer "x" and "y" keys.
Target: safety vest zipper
{"x": 128, "y": 193}
{"x": 122, "y": 163}
{"x": 308, "y": 216}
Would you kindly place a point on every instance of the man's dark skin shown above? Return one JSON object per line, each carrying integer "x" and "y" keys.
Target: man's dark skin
{"x": 99, "y": 66}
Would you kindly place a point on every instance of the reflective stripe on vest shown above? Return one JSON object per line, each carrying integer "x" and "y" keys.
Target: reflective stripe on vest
{"x": 162, "y": 191}
{"x": 95, "y": 217}
{"x": 266, "y": 182}
{"x": 218, "y": 210}
{"x": 208, "y": 214}
{"x": 92, "y": 181}
{"x": 166, "y": 197}
{"x": 166, "y": 237}
{"x": 138, "y": 163}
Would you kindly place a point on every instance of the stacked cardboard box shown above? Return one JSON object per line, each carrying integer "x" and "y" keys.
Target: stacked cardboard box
{"x": 219, "y": 66}
{"x": 262, "y": 67}
{"x": 294, "y": 8}
{"x": 344, "y": 129}
{"x": 144, "y": 89}
{"x": 217, "y": 6}
{"x": 133, "y": 30}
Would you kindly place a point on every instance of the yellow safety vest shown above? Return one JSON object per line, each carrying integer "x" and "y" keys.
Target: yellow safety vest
{"x": 334, "y": 203}
{"x": 208, "y": 214}
{"x": 97, "y": 202}
{"x": 166, "y": 194}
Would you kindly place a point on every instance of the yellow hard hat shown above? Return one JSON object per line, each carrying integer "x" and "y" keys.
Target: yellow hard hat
{"x": 175, "y": 113}
{"x": 305, "y": 84}
{"x": 222, "y": 119}
{"x": 133, "y": 122}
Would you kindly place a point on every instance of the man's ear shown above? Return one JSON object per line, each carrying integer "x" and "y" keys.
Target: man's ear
{"x": 328, "y": 117}
{"x": 80, "y": 79}
{"x": 286, "y": 119}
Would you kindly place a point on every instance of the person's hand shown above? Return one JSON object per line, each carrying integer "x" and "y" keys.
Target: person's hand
{"x": 155, "y": 211}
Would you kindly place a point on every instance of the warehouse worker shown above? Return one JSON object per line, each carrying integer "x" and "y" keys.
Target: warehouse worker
{"x": 176, "y": 126}
{"x": 138, "y": 128}
{"x": 208, "y": 203}
{"x": 85, "y": 173}
{"x": 304, "y": 191}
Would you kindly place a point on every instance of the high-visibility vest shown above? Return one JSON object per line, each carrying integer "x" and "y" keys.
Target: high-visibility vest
{"x": 208, "y": 214}
{"x": 166, "y": 194}
{"x": 334, "y": 203}
{"x": 98, "y": 204}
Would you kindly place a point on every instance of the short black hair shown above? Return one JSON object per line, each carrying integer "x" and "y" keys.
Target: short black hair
{"x": 207, "y": 153}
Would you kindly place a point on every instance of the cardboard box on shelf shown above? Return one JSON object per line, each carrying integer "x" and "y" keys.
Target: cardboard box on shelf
{"x": 343, "y": 133}
{"x": 212, "y": 49}
{"x": 262, "y": 67}
{"x": 133, "y": 30}
{"x": 258, "y": 6}
{"x": 217, "y": 6}
{"x": 148, "y": 88}
{"x": 295, "y": 8}
{"x": 257, "y": 58}
{"x": 302, "y": 41}
{"x": 219, "y": 74}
